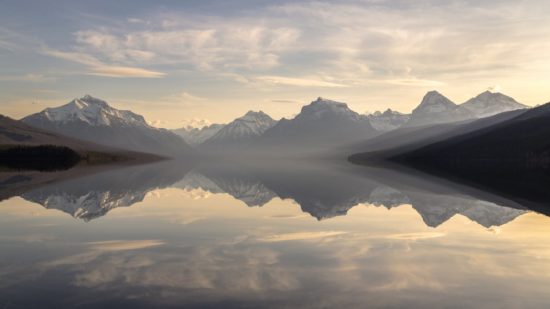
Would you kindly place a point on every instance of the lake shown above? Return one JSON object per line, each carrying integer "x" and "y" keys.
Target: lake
{"x": 267, "y": 234}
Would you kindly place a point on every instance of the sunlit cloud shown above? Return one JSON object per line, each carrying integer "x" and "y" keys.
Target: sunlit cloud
{"x": 31, "y": 77}
{"x": 301, "y": 236}
{"x": 123, "y": 245}
{"x": 416, "y": 236}
{"x": 416, "y": 82}
{"x": 117, "y": 71}
{"x": 96, "y": 67}
{"x": 298, "y": 82}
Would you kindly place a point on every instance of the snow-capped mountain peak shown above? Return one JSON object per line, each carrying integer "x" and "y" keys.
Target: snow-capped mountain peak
{"x": 256, "y": 122}
{"x": 387, "y": 120}
{"x": 251, "y": 125}
{"x": 435, "y": 102}
{"x": 196, "y": 136}
{"x": 436, "y": 108}
{"x": 92, "y": 111}
{"x": 322, "y": 107}
{"x": 491, "y": 103}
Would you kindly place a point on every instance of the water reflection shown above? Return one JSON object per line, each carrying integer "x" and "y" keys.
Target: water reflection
{"x": 323, "y": 189}
{"x": 242, "y": 235}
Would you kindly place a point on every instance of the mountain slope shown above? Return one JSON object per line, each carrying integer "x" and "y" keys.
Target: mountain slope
{"x": 436, "y": 109}
{"x": 410, "y": 138}
{"x": 197, "y": 136}
{"x": 13, "y": 132}
{"x": 520, "y": 142}
{"x": 94, "y": 120}
{"x": 26, "y": 147}
{"x": 239, "y": 133}
{"x": 488, "y": 104}
{"x": 319, "y": 126}
{"x": 388, "y": 120}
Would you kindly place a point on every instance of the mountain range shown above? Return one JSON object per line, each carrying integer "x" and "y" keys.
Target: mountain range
{"x": 320, "y": 126}
{"x": 196, "y": 136}
{"x": 388, "y": 120}
{"x": 91, "y": 119}
{"x": 521, "y": 141}
{"x": 323, "y": 126}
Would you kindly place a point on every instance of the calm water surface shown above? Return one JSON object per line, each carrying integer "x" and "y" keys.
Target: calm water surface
{"x": 265, "y": 235}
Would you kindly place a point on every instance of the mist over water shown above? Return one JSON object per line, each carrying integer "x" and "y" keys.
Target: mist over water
{"x": 265, "y": 233}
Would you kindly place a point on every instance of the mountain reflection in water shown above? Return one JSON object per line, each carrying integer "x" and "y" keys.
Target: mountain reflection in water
{"x": 266, "y": 234}
{"x": 322, "y": 189}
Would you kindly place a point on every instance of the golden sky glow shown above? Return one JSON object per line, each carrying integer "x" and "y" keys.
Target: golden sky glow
{"x": 210, "y": 62}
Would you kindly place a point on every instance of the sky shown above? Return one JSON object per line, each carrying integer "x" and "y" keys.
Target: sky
{"x": 194, "y": 62}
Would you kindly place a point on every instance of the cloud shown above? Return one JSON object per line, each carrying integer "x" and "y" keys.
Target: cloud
{"x": 301, "y": 236}
{"x": 118, "y": 71}
{"x": 123, "y": 245}
{"x": 495, "y": 88}
{"x": 415, "y": 82}
{"x": 208, "y": 45}
{"x": 285, "y": 101}
{"x": 321, "y": 45}
{"x": 31, "y": 77}
{"x": 96, "y": 67}
{"x": 196, "y": 123}
{"x": 298, "y": 82}
{"x": 416, "y": 236}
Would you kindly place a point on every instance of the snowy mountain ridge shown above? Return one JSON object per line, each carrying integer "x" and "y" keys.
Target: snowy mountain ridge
{"x": 92, "y": 111}
{"x": 251, "y": 125}
{"x": 387, "y": 120}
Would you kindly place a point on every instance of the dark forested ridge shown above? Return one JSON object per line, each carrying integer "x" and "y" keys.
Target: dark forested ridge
{"x": 511, "y": 158}
{"x": 42, "y": 158}
{"x": 517, "y": 144}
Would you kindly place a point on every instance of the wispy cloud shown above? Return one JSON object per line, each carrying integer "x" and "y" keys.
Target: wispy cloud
{"x": 123, "y": 245}
{"x": 97, "y": 67}
{"x": 298, "y": 82}
{"x": 415, "y": 82}
{"x": 301, "y": 236}
{"x": 118, "y": 71}
{"x": 31, "y": 77}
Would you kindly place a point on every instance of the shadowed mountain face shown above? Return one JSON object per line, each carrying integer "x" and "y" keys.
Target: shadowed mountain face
{"x": 93, "y": 120}
{"x": 517, "y": 144}
{"x": 322, "y": 190}
{"x": 320, "y": 126}
{"x": 404, "y": 140}
{"x": 13, "y": 132}
{"x": 435, "y": 108}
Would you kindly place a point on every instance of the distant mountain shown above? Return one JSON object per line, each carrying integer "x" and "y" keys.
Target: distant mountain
{"x": 93, "y": 120}
{"x": 488, "y": 104}
{"x": 388, "y": 120}
{"x": 319, "y": 126}
{"x": 520, "y": 142}
{"x": 239, "y": 133}
{"x": 409, "y": 138}
{"x": 197, "y": 136}
{"x": 436, "y": 109}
